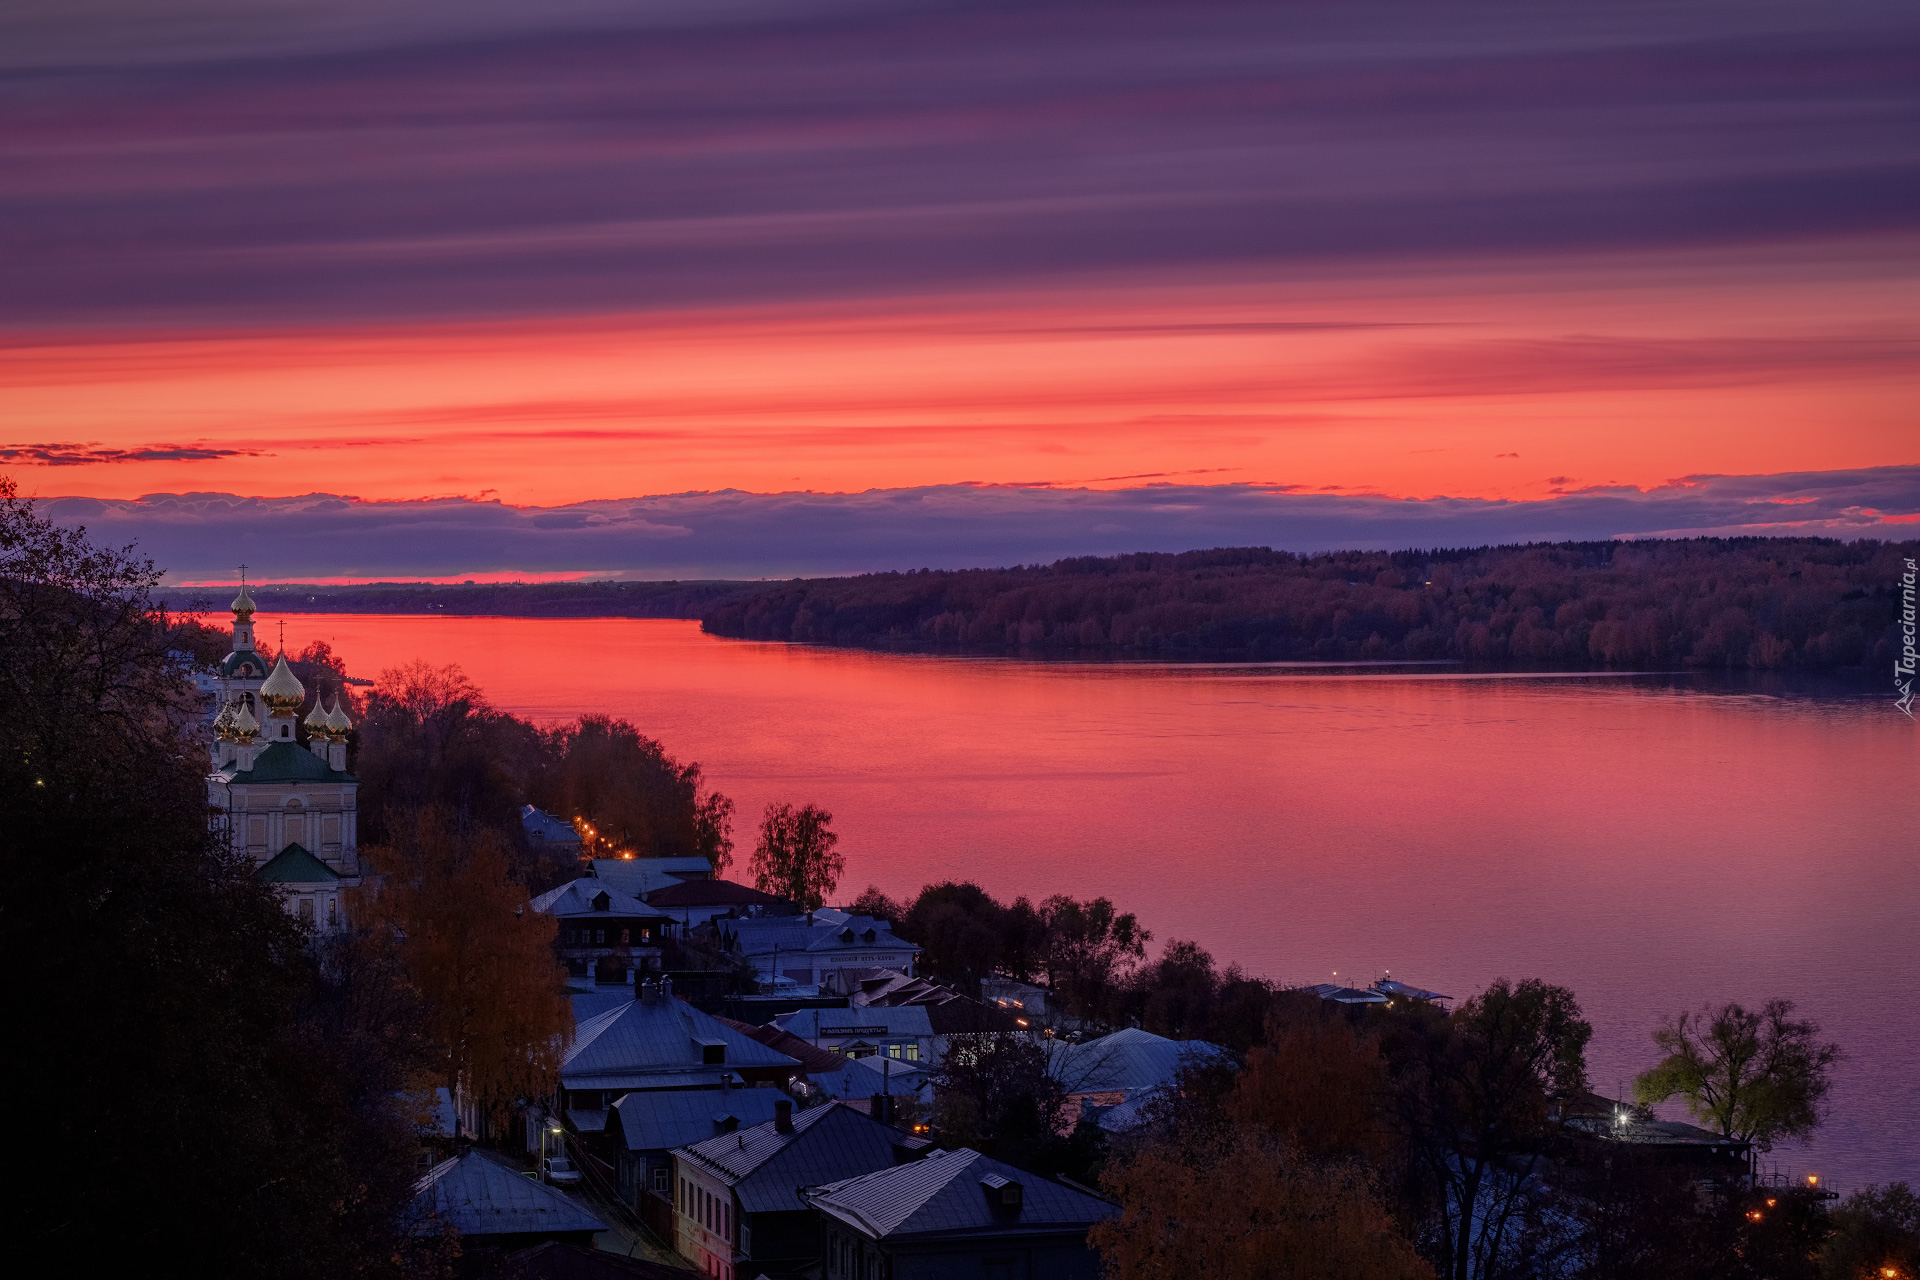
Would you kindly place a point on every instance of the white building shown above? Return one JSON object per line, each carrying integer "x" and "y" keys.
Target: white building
{"x": 291, "y": 808}
{"x": 811, "y": 949}
{"x": 904, "y": 1034}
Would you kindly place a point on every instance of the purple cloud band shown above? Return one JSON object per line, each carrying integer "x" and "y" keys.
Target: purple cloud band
{"x": 200, "y": 536}
{"x": 305, "y": 161}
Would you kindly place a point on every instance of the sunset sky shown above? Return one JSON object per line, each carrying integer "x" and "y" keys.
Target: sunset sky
{"x": 669, "y": 288}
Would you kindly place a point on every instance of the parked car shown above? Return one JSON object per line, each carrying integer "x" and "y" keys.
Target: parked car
{"x": 560, "y": 1171}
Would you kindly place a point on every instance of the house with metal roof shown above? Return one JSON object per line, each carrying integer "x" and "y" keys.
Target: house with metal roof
{"x": 604, "y": 934}
{"x": 547, "y": 832}
{"x": 1128, "y": 1066}
{"x": 495, "y": 1207}
{"x": 1334, "y": 993}
{"x": 697, "y": 902}
{"x": 737, "y": 1196}
{"x": 644, "y": 1128}
{"x": 657, "y": 1042}
{"x": 810, "y": 950}
{"x": 957, "y": 1214}
{"x": 904, "y": 1034}
{"x": 641, "y": 876}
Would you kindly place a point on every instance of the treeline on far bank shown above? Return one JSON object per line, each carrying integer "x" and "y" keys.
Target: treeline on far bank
{"x": 481, "y": 599}
{"x": 1755, "y": 603}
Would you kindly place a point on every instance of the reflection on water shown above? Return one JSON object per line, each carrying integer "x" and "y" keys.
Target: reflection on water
{"x": 1652, "y": 842}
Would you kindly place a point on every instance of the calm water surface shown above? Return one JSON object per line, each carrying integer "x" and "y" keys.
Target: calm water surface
{"x": 1649, "y": 844}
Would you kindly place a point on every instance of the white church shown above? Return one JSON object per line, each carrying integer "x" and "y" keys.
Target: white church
{"x": 289, "y": 807}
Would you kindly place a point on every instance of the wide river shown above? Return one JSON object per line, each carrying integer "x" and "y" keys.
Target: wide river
{"x": 1653, "y": 843}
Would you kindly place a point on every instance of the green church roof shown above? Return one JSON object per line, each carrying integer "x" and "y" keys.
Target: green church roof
{"x": 231, "y": 664}
{"x": 294, "y": 865}
{"x": 288, "y": 762}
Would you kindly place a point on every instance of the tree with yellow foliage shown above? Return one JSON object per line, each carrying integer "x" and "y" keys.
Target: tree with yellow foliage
{"x": 482, "y": 960}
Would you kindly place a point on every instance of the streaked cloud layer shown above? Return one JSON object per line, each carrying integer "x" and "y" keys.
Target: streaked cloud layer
{"x": 729, "y": 534}
{"x": 1495, "y": 249}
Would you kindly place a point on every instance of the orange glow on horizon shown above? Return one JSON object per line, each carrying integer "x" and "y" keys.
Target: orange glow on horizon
{"x": 1503, "y": 385}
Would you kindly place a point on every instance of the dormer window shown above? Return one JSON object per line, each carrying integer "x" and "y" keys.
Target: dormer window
{"x": 846, "y": 935}
{"x": 868, "y": 937}
{"x": 1003, "y": 1194}
{"x": 602, "y": 901}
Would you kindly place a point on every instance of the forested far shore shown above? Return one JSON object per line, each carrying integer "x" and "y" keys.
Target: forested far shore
{"x": 1755, "y": 603}
{"x": 599, "y": 599}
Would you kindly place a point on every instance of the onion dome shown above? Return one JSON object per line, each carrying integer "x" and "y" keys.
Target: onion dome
{"x": 242, "y": 605}
{"x": 283, "y": 690}
{"x": 337, "y": 721}
{"x": 244, "y": 725}
{"x": 223, "y": 724}
{"x": 316, "y": 720}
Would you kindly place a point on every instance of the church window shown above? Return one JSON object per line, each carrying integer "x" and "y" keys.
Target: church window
{"x": 333, "y": 912}
{"x": 306, "y": 911}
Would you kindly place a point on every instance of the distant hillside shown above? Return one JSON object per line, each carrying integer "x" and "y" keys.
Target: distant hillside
{"x": 1808, "y": 603}
{"x": 506, "y": 599}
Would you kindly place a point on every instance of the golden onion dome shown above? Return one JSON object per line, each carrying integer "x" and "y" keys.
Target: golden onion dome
{"x": 223, "y": 723}
{"x": 242, "y": 605}
{"x": 283, "y": 690}
{"x": 337, "y": 720}
{"x": 316, "y": 720}
{"x": 244, "y": 725}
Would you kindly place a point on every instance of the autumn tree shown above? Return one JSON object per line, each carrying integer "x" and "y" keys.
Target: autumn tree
{"x": 640, "y": 800}
{"x": 1248, "y": 1207}
{"x": 1321, "y": 1087}
{"x": 1755, "y": 1075}
{"x": 1088, "y": 946}
{"x": 797, "y": 857}
{"x": 480, "y": 958}
{"x": 1471, "y": 1095}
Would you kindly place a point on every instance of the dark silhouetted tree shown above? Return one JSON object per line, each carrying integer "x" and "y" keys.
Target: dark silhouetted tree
{"x": 797, "y": 857}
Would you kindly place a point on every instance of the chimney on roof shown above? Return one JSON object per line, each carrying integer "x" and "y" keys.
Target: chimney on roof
{"x": 648, "y": 992}
{"x": 783, "y": 1115}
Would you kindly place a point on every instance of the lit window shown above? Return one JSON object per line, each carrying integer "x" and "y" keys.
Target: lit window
{"x": 913, "y": 1053}
{"x": 893, "y": 1051}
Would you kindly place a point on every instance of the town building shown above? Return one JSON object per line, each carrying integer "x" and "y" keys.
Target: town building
{"x": 495, "y": 1208}
{"x": 903, "y": 1034}
{"x": 1128, "y": 1067}
{"x": 809, "y": 950}
{"x": 657, "y": 1042}
{"x": 957, "y": 1214}
{"x": 641, "y": 876}
{"x": 644, "y": 1128}
{"x": 605, "y": 935}
{"x": 701, "y": 901}
{"x": 1021, "y": 999}
{"x": 738, "y": 1210}
{"x": 951, "y": 1014}
{"x": 289, "y": 806}
{"x": 547, "y": 834}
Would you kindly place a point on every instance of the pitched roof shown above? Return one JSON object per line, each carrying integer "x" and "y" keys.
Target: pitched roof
{"x": 864, "y": 1077}
{"x": 661, "y": 1119}
{"x": 1125, "y": 1061}
{"x": 944, "y": 1194}
{"x": 641, "y": 876}
{"x": 479, "y": 1197}
{"x": 810, "y": 1056}
{"x": 285, "y": 762}
{"x": 544, "y": 827}
{"x": 712, "y": 893}
{"x": 294, "y": 865}
{"x": 1346, "y": 995}
{"x": 656, "y": 1044}
{"x": 812, "y": 1024}
{"x": 576, "y": 898}
{"x": 793, "y": 933}
{"x": 765, "y": 1168}
{"x": 1392, "y": 988}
